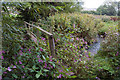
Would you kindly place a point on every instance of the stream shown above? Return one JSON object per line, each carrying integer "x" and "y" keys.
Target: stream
{"x": 95, "y": 46}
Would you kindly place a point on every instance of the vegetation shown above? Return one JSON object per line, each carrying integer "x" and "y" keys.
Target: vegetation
{"x": 90, "y": 12}
{"x": 109, "y": 53}
{"x": 73, "y": 34}
{"x": 32, "y": 11}
{"x": 108, "y": 8}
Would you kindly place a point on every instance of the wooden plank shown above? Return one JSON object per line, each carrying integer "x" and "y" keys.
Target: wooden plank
{"x": 40, "y": 29}
{"x": 44, "y": 31}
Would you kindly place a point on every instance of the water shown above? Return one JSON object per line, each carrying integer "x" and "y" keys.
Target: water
{"x": 95, "y": 46}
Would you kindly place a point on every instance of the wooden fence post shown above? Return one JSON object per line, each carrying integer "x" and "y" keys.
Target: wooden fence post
{"x": 24, "y": 24}
{"x": 51, "y": 30}
{"x": 38, "y": 32}
{"x": 32, "y": 27}
{"x": 52, "y": 45}
{"x": 50, "y": 37}
{"x": 29, "y": 27}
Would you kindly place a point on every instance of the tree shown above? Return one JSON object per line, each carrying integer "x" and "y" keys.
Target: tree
{"x": 32, "y": 11}
{"x": 72, "y": 7}
{"x": 119, "y": 8}
{"x": 90, "y": 12}
{"x": 107, "y": 9}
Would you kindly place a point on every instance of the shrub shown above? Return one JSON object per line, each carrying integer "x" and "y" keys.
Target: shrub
{"x": 108, "y": 56}
{"x": 101, "y": 28}
{"x": 22, "y": 58}
{"x": 80, "y": 25}
{"x": 72, "y": 35}
{"x": 114, "y": 18}
{"x": 105, "y": 19}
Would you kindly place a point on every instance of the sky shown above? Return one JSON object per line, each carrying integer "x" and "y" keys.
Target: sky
{"x": 93, "y": 3}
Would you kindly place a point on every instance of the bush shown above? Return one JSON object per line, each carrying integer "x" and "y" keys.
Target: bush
{"x": 101, "y": 28}
{"x": 22, "y": 58}
{"x": 90, "y": 12}
{"x": 114, "y": 18}
{"x": 105, "y": 19}
{"x": 72, "y": 35}
{"x": 109, "y": 55}
{"x": 79, "y": 25}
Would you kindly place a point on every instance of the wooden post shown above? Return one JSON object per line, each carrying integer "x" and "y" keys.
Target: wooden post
{"x": 50, "y": 29}
{"x": 32, "y": 27}
{"x": 29, "y": 27}
{"x": 38, "y": 31}
{"x": 52, "y": 45}
{"x": 25, "y": 25}
{"x": 50, "y": 36}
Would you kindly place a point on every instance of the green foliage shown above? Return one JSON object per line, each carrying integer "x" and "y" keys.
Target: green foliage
{"x": 22, "y": 58}
{"x": 32, "y": 11}
{"x": 101, "y": 29}
{"x": 107, "y": 10}
{"x": 73, "y": 32}
{"x": 79, "y": 25}
{"x": 105, "y": 19}
{"x": 118, "y": 9}
{"x": 108, "y": 57}
{"x": 90, "y": 12}
{"x": 119, "y": 12}
{"x": 72, "y": 35}
{"x": 71, "y": 7}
